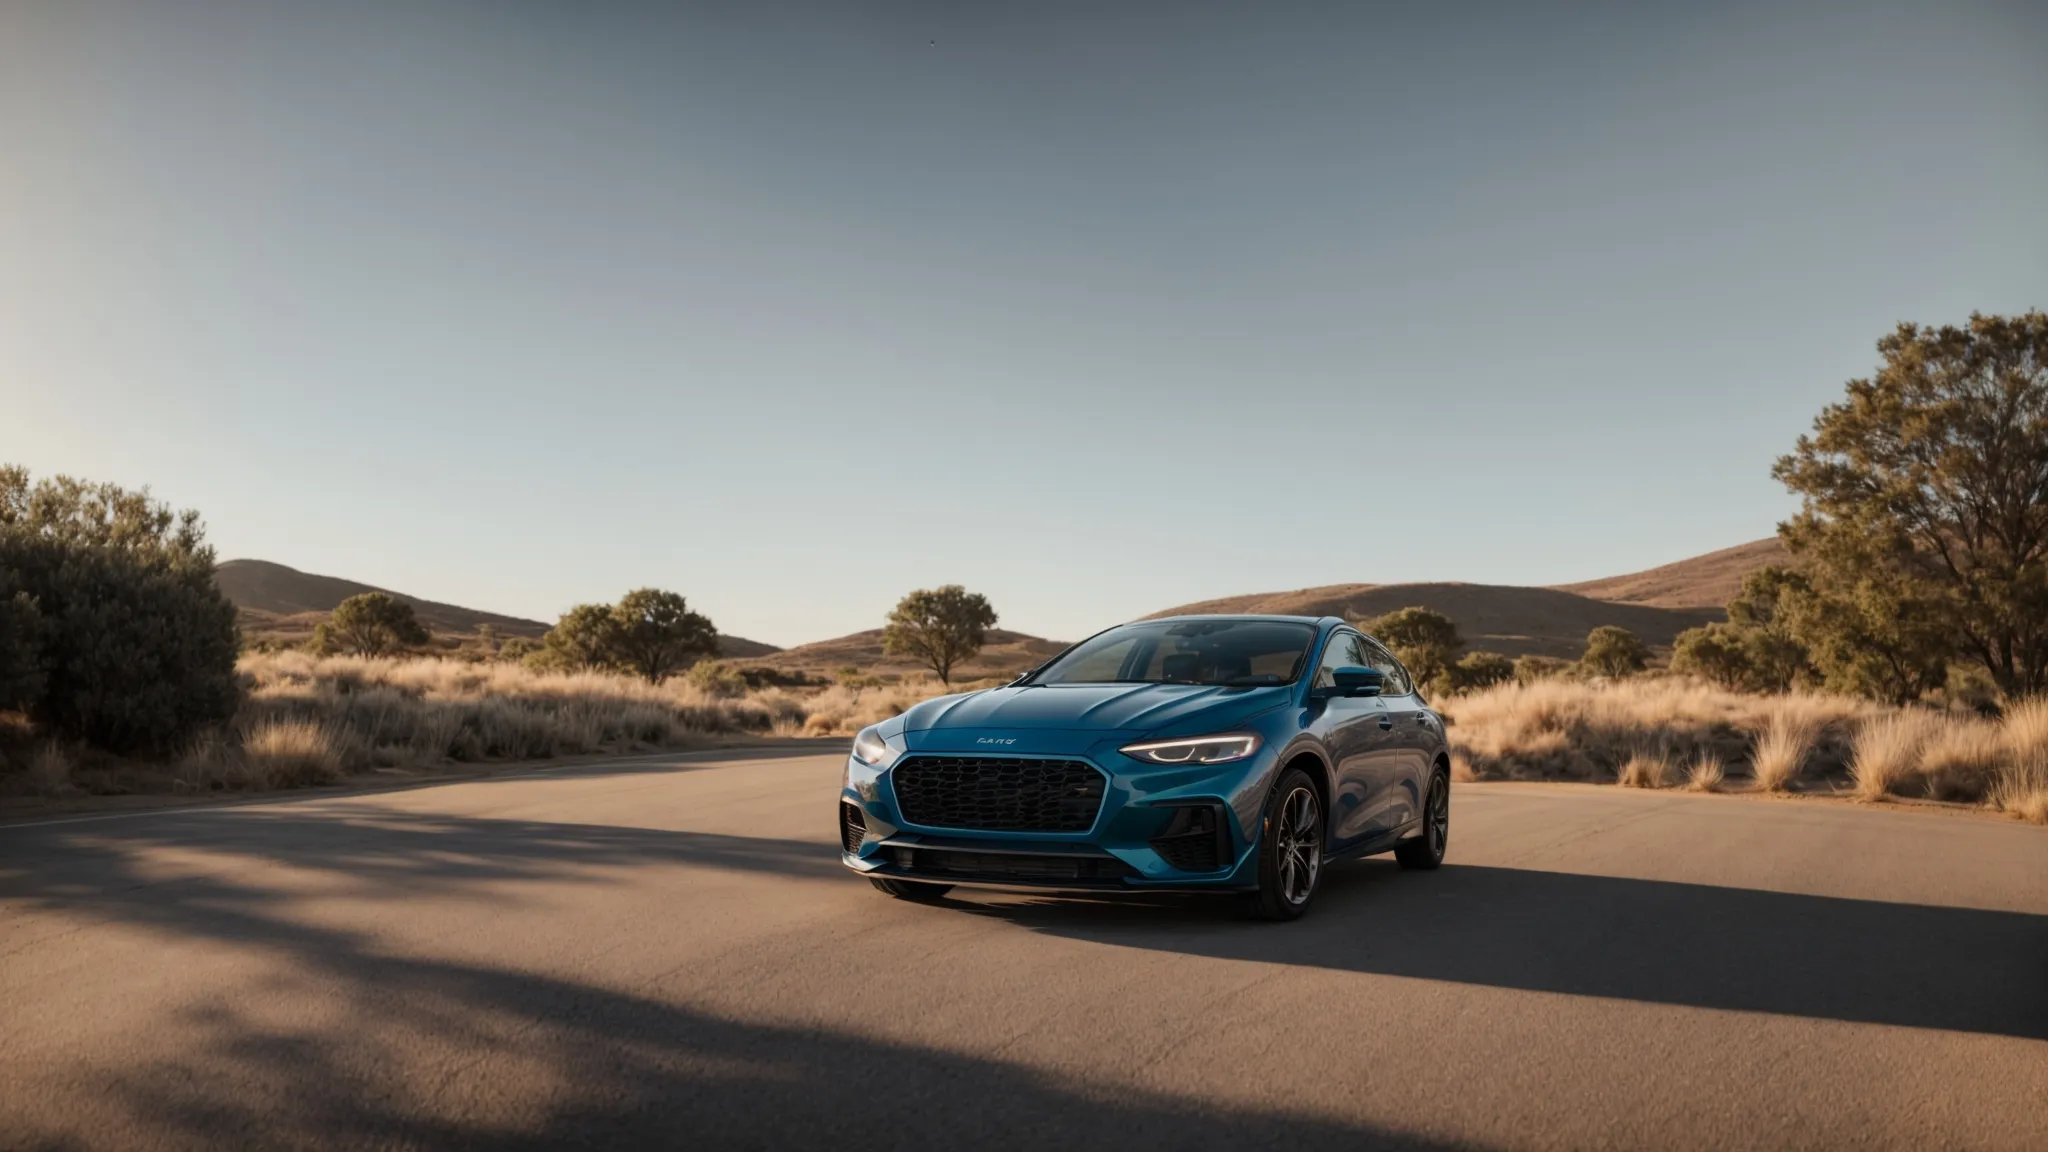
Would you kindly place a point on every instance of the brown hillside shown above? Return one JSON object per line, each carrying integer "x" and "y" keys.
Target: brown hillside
{"x": 283, "y": 605}
{"x": 1708, "y": 581}
{"x": 1493, "y": 617}
{"x": 1005, "y": 654}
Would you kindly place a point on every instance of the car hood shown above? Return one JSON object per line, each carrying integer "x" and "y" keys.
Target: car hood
{"x": 1094, "y": 708}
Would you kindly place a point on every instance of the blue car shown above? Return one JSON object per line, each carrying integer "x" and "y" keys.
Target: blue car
{"x": 1195, "y": 753}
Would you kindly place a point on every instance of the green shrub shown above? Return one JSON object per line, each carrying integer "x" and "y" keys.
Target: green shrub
{"x": 1424, "y": 640}
{"x": 1614, "y": 652}
{"x": 717, "y": 680}
{"x": 372, "y": 624}
{"x": 1477, "y": 670}
{"x": 134, "y": 646}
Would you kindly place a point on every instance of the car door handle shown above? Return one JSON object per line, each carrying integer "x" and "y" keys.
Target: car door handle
{"x": 1386, "y": 722}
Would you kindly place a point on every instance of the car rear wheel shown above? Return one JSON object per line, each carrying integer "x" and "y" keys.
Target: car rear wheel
{"x": 1427, "y": 850}
{"x": 1290, "y": 848}
{"x": 911, "y": 890}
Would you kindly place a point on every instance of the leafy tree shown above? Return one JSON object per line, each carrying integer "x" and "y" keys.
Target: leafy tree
{"x": 1765, "y": 617}
{"x": 132, "y": 645}
{"x": 1425, "y": 640}
{"x": 579, "y": 642}
{"x": 21, "y": 644}
{"x": 1614, "y": 652}
{"x": 654, "y": 634}
{"x": 1925, "y": 509}
{"x": 1718, "y": 652}
{"x": 1477, "y": 670}
{"x": 374, "y": 624}
{"x": 940, "y": 626}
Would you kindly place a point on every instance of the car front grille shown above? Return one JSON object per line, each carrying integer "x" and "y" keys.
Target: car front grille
{"x": 999, "y": 866}
{"x": 998, "y": 794}
{"x": 853, "y": 827}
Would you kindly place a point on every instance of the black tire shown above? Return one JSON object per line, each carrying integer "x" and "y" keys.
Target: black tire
{"x": 1426, "y": 851}
{"x": 1291, "y": 837}
{"x": 911, "y": 890}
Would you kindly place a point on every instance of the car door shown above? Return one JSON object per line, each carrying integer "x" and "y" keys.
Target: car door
{"x": 1357, "y": 734}
{"x": 1411, "y": 741}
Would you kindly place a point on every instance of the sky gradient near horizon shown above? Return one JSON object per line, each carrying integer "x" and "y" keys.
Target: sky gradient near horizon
{"x": 794, "y": 309}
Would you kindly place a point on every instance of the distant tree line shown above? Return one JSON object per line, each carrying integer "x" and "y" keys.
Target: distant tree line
{"x": 1428, "y": 645}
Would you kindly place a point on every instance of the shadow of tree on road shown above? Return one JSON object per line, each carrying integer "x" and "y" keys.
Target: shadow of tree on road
{"x": 535, "y": 1061}
{"x": 544, "y": 1060}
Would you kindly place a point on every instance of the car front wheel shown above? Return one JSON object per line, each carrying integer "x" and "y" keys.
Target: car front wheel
{"x": 1290, "y": 848}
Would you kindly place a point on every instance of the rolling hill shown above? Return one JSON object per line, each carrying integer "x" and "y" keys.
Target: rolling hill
{"x": 1708, "y": 581}
{"x": 1656, "y": 604}
{"x": 1006, "y": 654}
{"x": 1509, "y": 619}
{"x": 283, "y": 605}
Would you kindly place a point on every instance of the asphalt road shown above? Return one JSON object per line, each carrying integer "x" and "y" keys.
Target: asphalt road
{"x": 668, "y": 953}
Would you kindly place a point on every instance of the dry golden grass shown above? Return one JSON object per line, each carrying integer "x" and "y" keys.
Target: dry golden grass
{"x": 1960, "y": 758}
{"x": 308, "y": 720}
{"x": 1641, "y": 731}
{"x": 2021, "y": 786}
{"x": 1707, "y": 772}
{"x": 1649, "y": 768}
{"x": 1782, "y": 748}
{"x": 49, "y": 770}
{"x": 1576, "y": 730}
{"x": 1888, "y": 750}
{"x": 292, "y": 754}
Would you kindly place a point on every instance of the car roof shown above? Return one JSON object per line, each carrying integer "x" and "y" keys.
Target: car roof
{"x": 1309, "y": 620}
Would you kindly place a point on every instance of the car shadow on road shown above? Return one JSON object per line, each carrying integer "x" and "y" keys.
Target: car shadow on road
{"x": 1697, "y": 945}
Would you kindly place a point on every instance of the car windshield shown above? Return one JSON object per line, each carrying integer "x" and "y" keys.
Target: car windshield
{"x": 1238, "y": 653}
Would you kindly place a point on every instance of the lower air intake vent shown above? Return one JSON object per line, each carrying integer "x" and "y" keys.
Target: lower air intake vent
{"x": 1194, "y": 840}
{"x": 998, "y": 794}
{"x": 998, "y": 866}
{"x": 853, "y": 828}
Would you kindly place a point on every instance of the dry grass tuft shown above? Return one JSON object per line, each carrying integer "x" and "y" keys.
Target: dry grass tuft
{"x": 1888, "y": 751}
{"x": 1649, "y": 768}
{"x": 1707, "y": 772}
{"x": 1782, "y": 746}
{"x": 291, "y": 754}
{"x": 1961, "y": 757}
{"x": 49, "y": 771}
{"x": 2021, "y": 786}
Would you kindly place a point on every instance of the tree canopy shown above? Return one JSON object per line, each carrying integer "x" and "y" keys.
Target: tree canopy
{"x": 1614, "y": 652}
{"x": 1426, "y": 641}
{"x": 371, "y": 624}
{"x": 112, "y": 630}
{"x": 1923, "y": 534}
{"x": 939, "y": 626}
{"x": 650, "y": 633}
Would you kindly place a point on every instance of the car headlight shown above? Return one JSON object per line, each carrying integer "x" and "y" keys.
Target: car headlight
{"x": 1196, "y": 750}
{"x": 869, "y": 747}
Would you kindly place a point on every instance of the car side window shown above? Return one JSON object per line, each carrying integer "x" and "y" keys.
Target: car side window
{"x": 1396, "y": 683}
{"x": 1343, "y": 651}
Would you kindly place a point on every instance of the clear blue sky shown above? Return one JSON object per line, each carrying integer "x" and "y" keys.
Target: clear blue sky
{"x": 792, "y": 310}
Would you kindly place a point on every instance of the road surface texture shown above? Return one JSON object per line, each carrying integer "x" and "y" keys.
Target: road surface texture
{"x": 666, "y": 952}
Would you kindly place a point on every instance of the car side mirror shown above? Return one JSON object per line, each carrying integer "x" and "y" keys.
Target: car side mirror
{"x": 1355, "y": 681}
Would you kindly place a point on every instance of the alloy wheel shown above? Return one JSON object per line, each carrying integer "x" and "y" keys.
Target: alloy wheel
{"x": 1298, "y": 836}
{"x": 1439, "y": 815}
